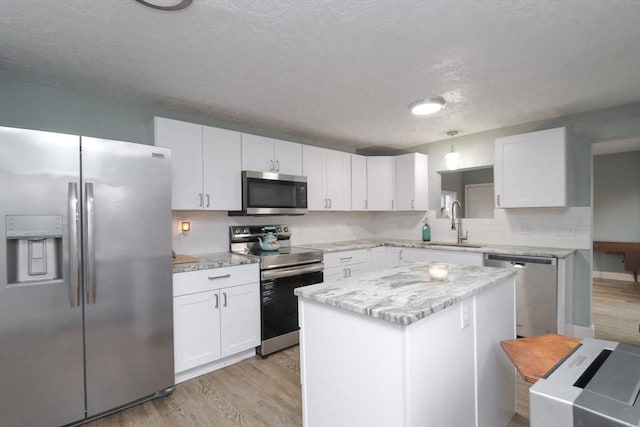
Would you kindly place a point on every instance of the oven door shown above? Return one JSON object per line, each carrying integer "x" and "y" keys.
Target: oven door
{"x": 279, "y": 306}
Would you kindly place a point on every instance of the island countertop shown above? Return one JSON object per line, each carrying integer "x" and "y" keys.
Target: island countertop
{"x": 405, "y": 294}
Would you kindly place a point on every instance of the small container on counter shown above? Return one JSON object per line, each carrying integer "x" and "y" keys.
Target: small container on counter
{"x": 438, "y": 271}
{"x": 426, "y": 232}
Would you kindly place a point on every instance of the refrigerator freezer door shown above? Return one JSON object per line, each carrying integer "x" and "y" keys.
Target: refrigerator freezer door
{"x": 41, "y": 360}
{"x": 128, "y": 301}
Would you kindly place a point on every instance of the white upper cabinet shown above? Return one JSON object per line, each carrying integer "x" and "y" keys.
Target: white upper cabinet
{"x": 530, "y": 169}
{"x": 412, "y": 182}
{"x": 358, "y": 183}
{"x": 328, "y": 175}
{"x": 263, "y": 154}
{"x": 205, "y": 165}
{"x": 221, "y": 154}
{"x": 381, "y": 187}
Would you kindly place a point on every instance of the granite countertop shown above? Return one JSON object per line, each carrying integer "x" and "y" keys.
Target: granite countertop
{"x": 405, "y": 294}
{"x": 222, "y": 259}
{"x": 470, "y": 247}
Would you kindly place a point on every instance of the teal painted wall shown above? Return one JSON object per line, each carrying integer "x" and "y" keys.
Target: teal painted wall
{"x": 37, "y": 106}
{"x": 41, "y": 107}
{"x": 616, "y": 204}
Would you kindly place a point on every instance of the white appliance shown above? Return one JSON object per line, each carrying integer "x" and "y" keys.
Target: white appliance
{"x": 86, "y": 322}
{"x": 596, "y": 385}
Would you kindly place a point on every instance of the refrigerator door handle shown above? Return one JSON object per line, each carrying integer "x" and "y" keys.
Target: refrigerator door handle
{"x": 74, "y": 255}
{"x": 89, "y": 254}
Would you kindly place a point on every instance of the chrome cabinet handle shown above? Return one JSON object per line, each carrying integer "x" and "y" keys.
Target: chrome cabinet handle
{"x": 217, "y": 301}
{"x": 200, "y": 205}
{"x": 412, "y": 204}
{"x": 498, "y": 200}
{"x": 74, "y": 251}
{"x": 392, "y": 207}
{"x": 271, "y": 167}
{"x": 208, "y": 200}
{"x": 89, "y": 237}
{"x": 344, "y": 273}
{"x": 347, "y": 258}
{"x": 366, "y": 204}
{"x": 224, "y": 276}
{"x": 326, "y": 205}
{"x": 277, "y": 165}
{"x": 349, "y": 272}
{"x": 400, "y": 254}
{"x": 329, "y": 203}
{"x": 224, "y": 294}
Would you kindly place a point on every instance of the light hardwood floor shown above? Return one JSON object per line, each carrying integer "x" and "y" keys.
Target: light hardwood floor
{"x": 266, "y": 392}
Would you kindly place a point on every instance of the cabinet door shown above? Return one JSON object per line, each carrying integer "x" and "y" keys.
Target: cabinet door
{"x": 377, "y": 258}
{"x": 411, "y": 181}
{"x": 185, "y": 141}
{"x": 257, "y": 153}
{"x": 338, "y": 180}
{"x": 288, "y": 157}
{"x": 381, "y": 183}
{"x": 221, "y": 153}
{"x": 530, "y": 170}
{"x": 392, "y": 257}
{"x": 358, "y": 183}
{"x": 313, "y": 169}
{"x": 240, "y": 318}
{"x": 334, "y": 273}
{"x": 196, "y": 323}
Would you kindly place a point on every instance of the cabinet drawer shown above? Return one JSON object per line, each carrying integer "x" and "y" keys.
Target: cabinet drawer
{"x": 336, "y": 259}
{"x": 215, "y": 278}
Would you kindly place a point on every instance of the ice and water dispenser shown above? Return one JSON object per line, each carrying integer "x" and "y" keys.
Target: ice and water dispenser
{"x": 34, "y": 248}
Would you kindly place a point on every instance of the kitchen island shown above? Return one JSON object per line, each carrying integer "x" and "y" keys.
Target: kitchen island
{"x": 395, "y": 348}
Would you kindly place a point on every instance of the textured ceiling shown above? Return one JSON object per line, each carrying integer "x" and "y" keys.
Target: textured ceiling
{"x": 337, "y": 70}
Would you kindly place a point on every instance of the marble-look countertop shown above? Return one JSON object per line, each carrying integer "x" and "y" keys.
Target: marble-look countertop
{"x": 222, "y": 259}
{"x": 405, "y": 294}
{"x": 466, "y": 247}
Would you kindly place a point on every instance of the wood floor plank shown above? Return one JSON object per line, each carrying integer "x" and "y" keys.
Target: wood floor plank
{"x": 266, "y": 392}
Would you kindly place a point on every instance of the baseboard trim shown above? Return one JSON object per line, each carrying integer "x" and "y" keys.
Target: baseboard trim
{"x": 612, "y": 275}
{"x": 213, "y": 366}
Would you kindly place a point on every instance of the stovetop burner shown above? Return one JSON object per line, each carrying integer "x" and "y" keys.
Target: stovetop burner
{"x": 244, "y": 240}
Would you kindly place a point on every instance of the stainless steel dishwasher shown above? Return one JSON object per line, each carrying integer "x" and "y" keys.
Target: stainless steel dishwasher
{"x": 536, "y": 292}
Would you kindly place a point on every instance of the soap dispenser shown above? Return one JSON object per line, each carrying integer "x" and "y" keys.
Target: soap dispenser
{"x": 426, "y": 231}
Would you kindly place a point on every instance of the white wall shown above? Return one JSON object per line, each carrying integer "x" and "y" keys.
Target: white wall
{"x": 558, "y": 228}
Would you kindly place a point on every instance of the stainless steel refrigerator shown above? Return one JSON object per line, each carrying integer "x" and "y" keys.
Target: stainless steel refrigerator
{"x": 86, "y": 322}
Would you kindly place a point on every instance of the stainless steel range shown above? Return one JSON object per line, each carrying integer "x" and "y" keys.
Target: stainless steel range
{"x": 281, "y": 271}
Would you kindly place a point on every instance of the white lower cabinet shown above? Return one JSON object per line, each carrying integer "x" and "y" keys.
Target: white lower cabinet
{"x": 216, "y": 318}
{"x": 346, "y": 264}
{"x": 395, "y": 256}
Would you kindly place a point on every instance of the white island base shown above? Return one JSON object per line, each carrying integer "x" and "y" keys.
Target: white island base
{"x": 444, "y": 370}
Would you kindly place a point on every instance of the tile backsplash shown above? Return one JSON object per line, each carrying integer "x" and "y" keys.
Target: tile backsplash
{"x": 550, "y": 227}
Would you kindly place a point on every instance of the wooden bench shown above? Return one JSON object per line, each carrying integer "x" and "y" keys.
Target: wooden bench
{"x": 629, "y": 250}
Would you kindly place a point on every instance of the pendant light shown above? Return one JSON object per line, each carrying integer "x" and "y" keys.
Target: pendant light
{"x": 452, "y": 158}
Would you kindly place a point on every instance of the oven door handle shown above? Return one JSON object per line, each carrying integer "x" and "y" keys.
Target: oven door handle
{"x": 288, "y": 272}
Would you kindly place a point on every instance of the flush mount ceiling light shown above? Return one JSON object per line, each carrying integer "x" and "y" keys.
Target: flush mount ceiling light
{"x": 427, "y": 106}
{"x": 169, "y": 5}
{"x": 452, "y": 158}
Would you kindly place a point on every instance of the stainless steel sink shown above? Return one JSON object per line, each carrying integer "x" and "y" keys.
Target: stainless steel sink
{"x": 457, "y": 245}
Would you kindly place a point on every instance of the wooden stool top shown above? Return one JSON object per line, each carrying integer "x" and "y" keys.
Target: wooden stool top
{"x": 535, "y": 356}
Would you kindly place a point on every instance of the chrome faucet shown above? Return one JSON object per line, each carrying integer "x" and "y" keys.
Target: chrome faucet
{"x": 456, "y": 220}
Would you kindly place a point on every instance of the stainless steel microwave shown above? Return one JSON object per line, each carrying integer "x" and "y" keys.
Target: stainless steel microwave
{"x": 265, "y": 193}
